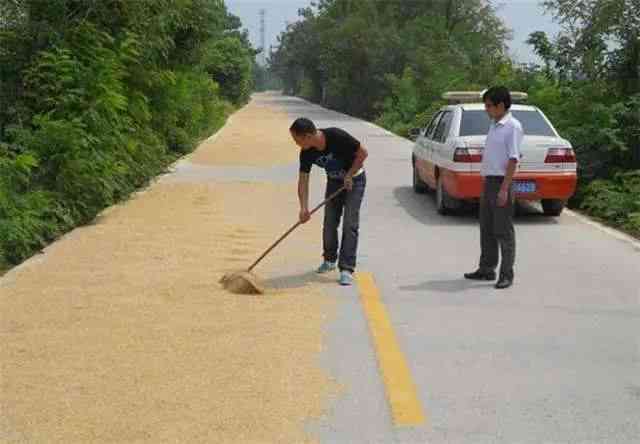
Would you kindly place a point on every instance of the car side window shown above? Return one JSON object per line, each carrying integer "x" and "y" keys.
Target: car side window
{"x": 432, "y": 126}
{"x": 443, "y": 127}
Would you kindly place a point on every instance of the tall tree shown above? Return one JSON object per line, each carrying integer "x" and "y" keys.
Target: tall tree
{"x": 350, "y": 54}
{"x": 601, "y": 34}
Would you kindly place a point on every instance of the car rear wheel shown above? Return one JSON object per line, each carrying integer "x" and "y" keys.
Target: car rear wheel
{"x": 418, "y": 184}
{"x": 442, "y": 198}
{"x": 552, "y": 207}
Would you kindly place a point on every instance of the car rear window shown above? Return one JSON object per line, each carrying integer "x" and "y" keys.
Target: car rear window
{"x": 476, "y": 123}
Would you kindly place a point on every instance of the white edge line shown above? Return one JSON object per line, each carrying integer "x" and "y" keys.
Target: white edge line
{"x": 605, "y": 229}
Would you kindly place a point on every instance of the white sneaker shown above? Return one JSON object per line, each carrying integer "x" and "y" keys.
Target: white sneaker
{"x": 346, "y": 277}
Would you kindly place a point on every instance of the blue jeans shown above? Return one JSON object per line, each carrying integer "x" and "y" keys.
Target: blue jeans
{"x": 348, "y": 202}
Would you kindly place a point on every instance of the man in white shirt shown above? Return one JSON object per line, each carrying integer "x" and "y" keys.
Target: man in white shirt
{"x": 499, "y": 162}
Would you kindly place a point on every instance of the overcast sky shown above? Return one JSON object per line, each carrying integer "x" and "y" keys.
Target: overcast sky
{"x": 522, "y": 16}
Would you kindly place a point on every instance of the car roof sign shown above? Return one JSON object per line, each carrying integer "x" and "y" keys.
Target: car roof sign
{"x": 457, "y": 97}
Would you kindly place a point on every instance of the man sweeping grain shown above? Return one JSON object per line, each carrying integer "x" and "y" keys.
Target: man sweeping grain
{"x": 342, "y": 157}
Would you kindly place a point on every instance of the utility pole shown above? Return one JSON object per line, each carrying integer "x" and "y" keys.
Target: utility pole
{"x": 263, "y": 40}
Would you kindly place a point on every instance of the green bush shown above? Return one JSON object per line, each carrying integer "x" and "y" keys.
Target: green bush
{"x": 103, "y": 98}
{"x": 616, "y": 201}
{"x": 28, "y": 219}
{"x": 191, "y": 107}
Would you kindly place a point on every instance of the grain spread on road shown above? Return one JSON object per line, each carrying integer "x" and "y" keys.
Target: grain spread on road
{"x": 121, "y": 332}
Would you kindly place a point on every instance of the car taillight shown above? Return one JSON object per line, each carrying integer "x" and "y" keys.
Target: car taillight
{"x": 469, "y": 155}
{"x": 560, "y": 155}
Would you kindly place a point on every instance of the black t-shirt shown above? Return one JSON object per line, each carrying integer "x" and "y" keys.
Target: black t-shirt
{"x": 338, "y": 156}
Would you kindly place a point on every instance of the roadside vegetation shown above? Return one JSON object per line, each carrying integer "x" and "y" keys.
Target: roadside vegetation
{"x": 390, "y": 62}
{"x": 97, "y": 97}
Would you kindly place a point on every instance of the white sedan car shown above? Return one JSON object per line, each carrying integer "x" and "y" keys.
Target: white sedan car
{"x": 448, "y": 152}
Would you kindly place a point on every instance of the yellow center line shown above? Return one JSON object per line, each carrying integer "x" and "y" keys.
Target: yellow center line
{"x": 406, "y": 408}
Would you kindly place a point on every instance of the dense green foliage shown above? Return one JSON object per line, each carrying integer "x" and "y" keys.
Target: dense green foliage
{"x": 590, "y": 87}
{"x": 391, "y": 61}
{"x": 98, "y": 96}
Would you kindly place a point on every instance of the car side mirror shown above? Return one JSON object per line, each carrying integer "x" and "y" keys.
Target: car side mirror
{"x": 414, "y": 133}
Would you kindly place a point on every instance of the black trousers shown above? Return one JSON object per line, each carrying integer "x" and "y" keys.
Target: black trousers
{"x": 497, "y": 234}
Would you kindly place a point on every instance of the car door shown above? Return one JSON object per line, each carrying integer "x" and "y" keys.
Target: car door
{"x": 426, "y": 165}
{"x": 419, "y": 150}
{"x": 440, "y": 156}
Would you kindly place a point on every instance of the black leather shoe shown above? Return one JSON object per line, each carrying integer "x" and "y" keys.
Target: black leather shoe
{"x": 504, "y": 283}
{"x": 481, "y": 275}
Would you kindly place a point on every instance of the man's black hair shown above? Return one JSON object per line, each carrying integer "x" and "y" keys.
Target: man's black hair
{"x": 303, "y": 126}
{"x": 498, "y": 95}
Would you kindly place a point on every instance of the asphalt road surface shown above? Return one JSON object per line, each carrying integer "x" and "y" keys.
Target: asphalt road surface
{"x": 554, "y": 359}
{"x": 424, "y": 356}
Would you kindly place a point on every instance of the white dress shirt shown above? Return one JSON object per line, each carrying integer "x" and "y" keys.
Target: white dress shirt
{"x": 503, "y": 143}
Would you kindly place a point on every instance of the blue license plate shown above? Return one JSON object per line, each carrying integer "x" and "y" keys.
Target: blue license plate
{"x": 524, "y": 186}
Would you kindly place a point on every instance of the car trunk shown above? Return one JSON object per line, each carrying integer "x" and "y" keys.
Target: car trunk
{"x": 533, "y": 150}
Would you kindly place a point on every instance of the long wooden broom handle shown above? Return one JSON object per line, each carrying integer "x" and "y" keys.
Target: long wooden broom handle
{"x": 321, "y": 204}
